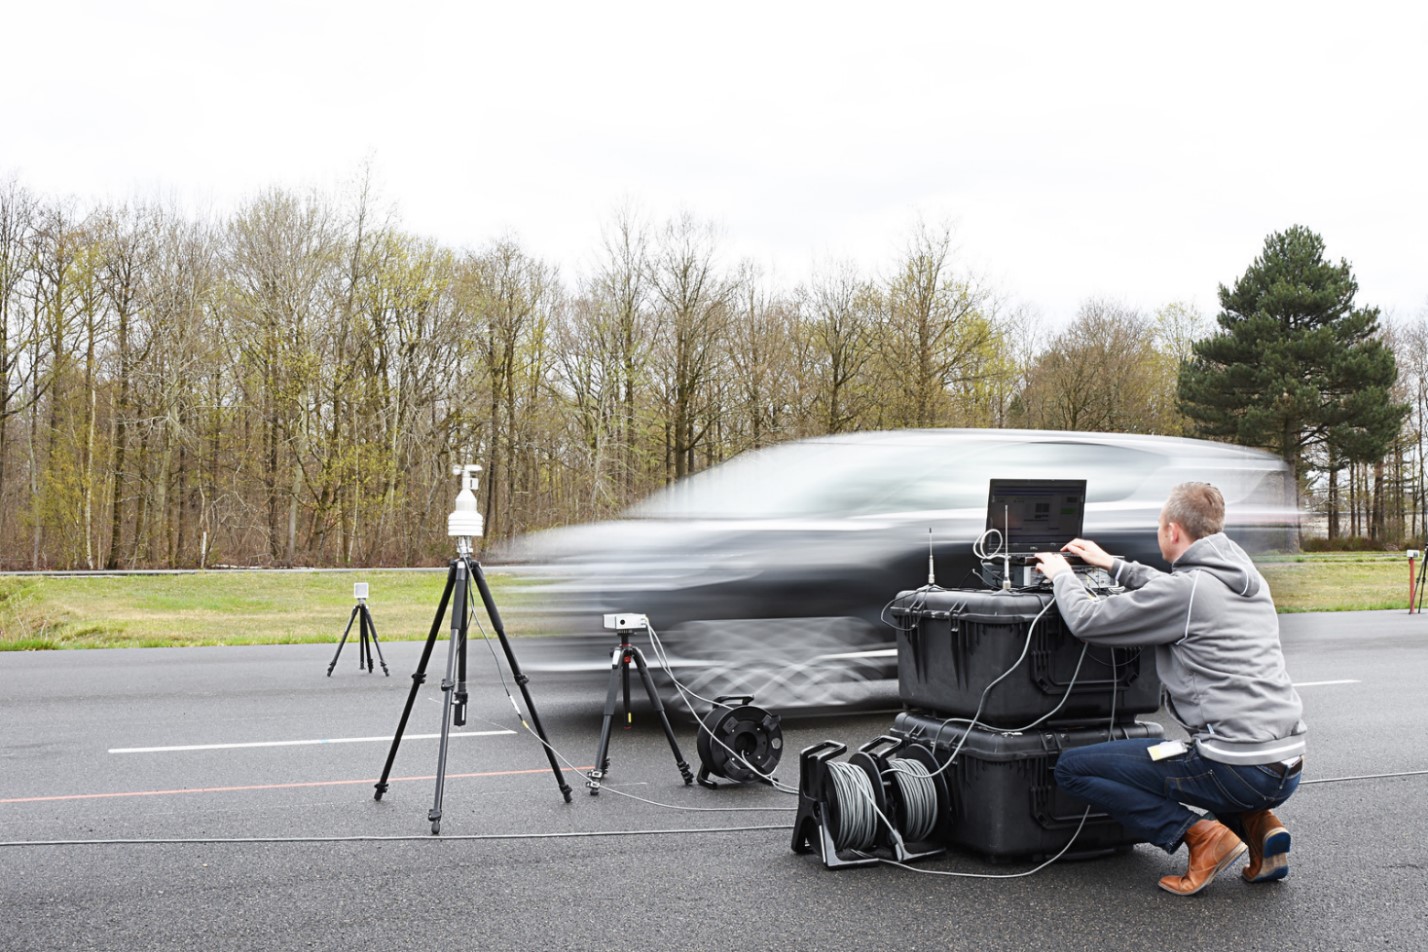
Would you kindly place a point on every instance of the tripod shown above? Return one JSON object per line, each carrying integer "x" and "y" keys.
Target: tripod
{"x": 462, "y": 570}
{"x": 360, "y": 613}
{"x": 1422, "y": 565}
{"x": 620, "y": 672}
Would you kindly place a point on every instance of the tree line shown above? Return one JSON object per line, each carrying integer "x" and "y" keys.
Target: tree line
{"x": 290, "y": 383}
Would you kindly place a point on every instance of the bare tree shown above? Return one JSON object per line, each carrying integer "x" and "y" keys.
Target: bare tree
{"x": 692, "y": 300}
{"x": 1100, "y": 374}
{"x": 761, "y": 361}
{"x": 18, "y": 330}
{"x": 281, "y": 256}
{"x": 935, "y": 334}
{"x": 839, "y": 311}
{"x": 510, "y": 296}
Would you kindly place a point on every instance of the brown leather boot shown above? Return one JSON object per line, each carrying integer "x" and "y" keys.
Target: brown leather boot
{"x": 1268, "y": 843}
{"x": 1212, "y": 846}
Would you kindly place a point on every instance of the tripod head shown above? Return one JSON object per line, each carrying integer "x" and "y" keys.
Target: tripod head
{"x": 465, "y": 523}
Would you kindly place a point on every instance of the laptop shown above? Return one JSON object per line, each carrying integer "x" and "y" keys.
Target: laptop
{"x": 1036, "y": 515}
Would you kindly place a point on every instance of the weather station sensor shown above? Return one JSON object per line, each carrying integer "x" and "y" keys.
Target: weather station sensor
{"x": 465, "y": 522}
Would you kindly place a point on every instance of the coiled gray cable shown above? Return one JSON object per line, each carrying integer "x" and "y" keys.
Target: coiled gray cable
{"x": 919, "y": 798}
{"x": 857, "y": 825}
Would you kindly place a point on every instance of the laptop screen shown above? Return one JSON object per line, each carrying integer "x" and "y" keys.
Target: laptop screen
{"x": 1036, "y": 515}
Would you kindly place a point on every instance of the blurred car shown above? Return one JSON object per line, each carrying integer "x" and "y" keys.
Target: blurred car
{"x": 768, "y": 575}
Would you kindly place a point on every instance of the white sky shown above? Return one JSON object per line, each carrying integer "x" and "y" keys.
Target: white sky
{"x": 1140, "y": 151}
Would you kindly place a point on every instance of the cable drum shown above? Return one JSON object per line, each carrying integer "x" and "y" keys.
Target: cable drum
{"x": 925, "y": 796}
{"x": 740, "y": 743}
{"x": 916, "y": 795}
{"x": 853, "y": 820}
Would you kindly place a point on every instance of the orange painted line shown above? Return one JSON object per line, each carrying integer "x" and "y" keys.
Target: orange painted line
{"x": 277, "y": 786}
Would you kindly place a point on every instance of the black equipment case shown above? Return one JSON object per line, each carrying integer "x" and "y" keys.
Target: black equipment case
{"x": 953, "y": 643}
{"x": 1005, "y": 801}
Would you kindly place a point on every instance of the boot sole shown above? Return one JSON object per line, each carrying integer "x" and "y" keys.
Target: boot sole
{"x": 1226, "y": 860}
{"x": 1275, "y": 858}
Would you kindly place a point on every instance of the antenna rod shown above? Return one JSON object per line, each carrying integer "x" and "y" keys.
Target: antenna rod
{"x": 1006, "y": 549}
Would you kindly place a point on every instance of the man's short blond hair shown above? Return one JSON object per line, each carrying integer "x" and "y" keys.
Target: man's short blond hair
{"x": 1198, "y": 508}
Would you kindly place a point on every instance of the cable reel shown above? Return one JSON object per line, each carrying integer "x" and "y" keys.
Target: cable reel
{"x": 739, "y": 743}
{"x": 911, "y": 798}
{"x": 924, "y": 794}
{"x": 834, "y": 807}
{"x": 886, "y": 800}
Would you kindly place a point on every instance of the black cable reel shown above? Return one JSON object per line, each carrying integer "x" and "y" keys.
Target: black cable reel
{"x": 916, "y": 798}
{"x": 885, "y": 800}
{"x": 738, "y": 742}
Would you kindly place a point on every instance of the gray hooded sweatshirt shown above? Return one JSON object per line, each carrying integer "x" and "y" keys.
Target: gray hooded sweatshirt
{"x": 1216, "y": 637}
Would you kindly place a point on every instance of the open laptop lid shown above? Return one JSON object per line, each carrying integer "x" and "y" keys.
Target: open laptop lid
{"x": 1036, "y": 515}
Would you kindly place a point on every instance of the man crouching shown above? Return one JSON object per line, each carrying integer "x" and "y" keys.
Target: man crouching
{"x": 1217, "y": 651}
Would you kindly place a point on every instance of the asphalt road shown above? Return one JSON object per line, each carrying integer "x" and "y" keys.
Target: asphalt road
{"x": 214, "y": 743}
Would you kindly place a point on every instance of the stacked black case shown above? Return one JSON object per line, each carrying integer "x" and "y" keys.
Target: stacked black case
{"x": 1005, "y": 801}
{"x": 953, "y": 644}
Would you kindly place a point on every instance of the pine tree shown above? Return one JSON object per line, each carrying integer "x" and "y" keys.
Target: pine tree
{"x": 1295, "y": 365}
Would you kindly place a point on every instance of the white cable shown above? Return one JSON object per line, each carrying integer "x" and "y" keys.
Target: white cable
{"x": 604, "y": 786}
{"x": 186, "y": 841}
{"x": 981, "y": 701}
{"x": 979, "y": 548}
{"x": 685, "y": 694}
{"x": 663, "y": 659}
{"x": 1034, "y": 869}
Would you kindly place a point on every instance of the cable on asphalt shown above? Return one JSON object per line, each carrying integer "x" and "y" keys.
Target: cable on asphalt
{"x": 521, "y": 836}
{"x": 410, "y": 838}
{"x": 1377, "y": 776}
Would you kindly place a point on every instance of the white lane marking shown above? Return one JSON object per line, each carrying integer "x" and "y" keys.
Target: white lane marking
{"x": 1316, "y": 684}
{"x": 298, "y": 743}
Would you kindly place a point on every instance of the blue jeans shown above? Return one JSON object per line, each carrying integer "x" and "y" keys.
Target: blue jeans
{"x": 1147, "y": 796}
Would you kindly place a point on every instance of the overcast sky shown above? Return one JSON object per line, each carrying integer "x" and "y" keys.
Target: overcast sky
{"x": 1137, "y": 151}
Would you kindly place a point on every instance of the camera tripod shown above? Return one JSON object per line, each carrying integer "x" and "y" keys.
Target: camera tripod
{"x": 1422, "y": 565}
{"x": 620, "y": 672}
{"x": 463, "y": 569}
{"x": 366, "y": 627}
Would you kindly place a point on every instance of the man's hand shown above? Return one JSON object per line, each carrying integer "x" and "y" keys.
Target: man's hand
{"x": 1051, "y": 564}
{"x": 1090, "y": 553}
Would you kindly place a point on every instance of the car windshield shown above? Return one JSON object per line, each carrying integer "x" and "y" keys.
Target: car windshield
{"x": 813, "y": 479}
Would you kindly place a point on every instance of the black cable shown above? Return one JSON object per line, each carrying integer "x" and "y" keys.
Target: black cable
{"x": 914, "y": 606}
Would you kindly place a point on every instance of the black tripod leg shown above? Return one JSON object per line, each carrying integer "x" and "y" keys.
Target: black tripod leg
{"x": 375, "y": 643}
{"x": 1422, "y": 576}
{"x": 663, "y": 717}
{"x": 459, "y": 716}
{"x": 625, "y": 677}
{"x": 350, "y": 619}
{"x": 602, "y": 752}
{"x": 418, "y": 677}
{"x": 520, "y": 678}
{"x": 364, "y": 658}
{"x": 448, "y": 688}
